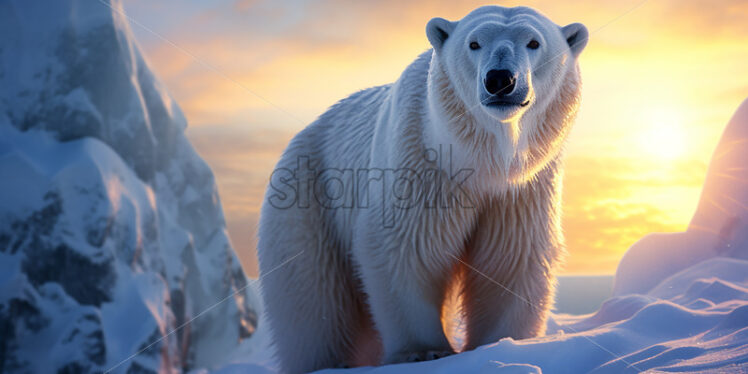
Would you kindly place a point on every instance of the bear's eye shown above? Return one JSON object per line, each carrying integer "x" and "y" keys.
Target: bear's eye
{"x": 474, "y": 45}
{"x": 533, "y": 44}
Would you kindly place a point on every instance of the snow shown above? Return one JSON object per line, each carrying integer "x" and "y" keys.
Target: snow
{"x": 679, "y": 304}
{"x": 694, "y": 320}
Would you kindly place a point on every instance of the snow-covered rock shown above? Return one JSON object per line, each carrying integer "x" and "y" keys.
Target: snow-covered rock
{"x": 111, "y": 230}
{"x": 680, "y": 303}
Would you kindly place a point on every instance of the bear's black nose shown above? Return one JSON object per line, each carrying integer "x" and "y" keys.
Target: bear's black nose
{"x": 499, "y": 82}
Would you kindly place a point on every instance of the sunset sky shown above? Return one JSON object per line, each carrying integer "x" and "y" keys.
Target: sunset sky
{"x": 661, "y": 80}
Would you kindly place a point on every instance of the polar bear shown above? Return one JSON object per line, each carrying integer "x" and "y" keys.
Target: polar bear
{"x": 451, "y": 173}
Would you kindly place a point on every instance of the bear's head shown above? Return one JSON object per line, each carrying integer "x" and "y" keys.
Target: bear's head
{"x": 505, "y": 84}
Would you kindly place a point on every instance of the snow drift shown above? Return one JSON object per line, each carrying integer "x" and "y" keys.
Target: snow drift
{"x": 111, "y": 230}
{"x": 680, "y": 302}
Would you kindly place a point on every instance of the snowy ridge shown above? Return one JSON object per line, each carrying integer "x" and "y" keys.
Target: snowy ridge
{"x": 680, "y": 302}
{"x": 111, "y": 230}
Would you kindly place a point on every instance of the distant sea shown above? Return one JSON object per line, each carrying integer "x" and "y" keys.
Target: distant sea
{"x": 582, "y": 294}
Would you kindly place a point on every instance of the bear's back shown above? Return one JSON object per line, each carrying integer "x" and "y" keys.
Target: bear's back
{"x": 341, "y": 137}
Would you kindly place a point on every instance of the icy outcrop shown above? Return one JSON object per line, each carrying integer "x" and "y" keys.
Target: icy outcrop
{"x": 111, "y": 230}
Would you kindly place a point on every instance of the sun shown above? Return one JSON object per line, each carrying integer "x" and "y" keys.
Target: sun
{"x": 663, "y": 136}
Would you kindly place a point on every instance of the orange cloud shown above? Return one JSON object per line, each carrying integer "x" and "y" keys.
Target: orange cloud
{"x": 610, "y": 203}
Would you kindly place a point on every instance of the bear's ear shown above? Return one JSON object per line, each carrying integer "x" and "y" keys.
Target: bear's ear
{"x": 438, "y": 30}
{"x": 576, "y": 35}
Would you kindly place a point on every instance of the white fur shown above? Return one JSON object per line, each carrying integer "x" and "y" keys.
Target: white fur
{"x": 371, "y": 277}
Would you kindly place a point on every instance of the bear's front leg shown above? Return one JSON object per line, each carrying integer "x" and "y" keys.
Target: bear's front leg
{"x": 405, "y": 293}
{"x": 509, "y": 263}
{"x": 500, "y": 302}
